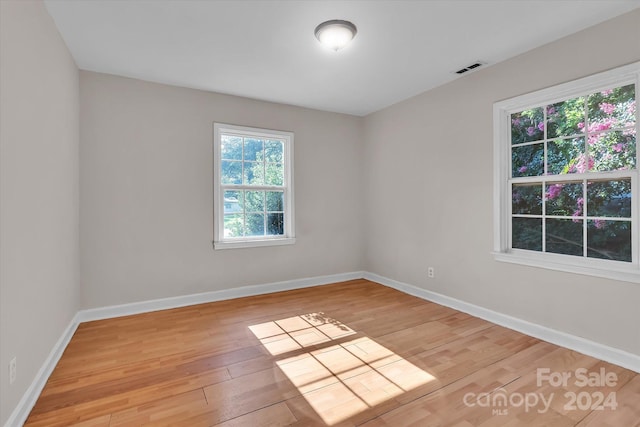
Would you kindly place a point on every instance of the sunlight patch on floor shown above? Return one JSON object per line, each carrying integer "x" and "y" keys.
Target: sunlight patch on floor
{"x": 293, "y": 333}
{"x": 337, "y": 380}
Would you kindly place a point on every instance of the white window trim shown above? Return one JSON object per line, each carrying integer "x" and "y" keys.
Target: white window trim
{"x": 502, "y": 251}
{"x": 219, "y": 242}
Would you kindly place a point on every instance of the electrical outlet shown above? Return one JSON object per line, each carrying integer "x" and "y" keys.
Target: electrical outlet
{"x": 431, "y": 272}
{"x": 12, "y": 371}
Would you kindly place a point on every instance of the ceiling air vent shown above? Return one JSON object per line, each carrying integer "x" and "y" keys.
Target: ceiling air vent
{"x": 471, "y": 67}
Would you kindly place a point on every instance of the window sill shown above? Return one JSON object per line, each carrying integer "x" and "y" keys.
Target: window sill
{"x": 592, "y": 267}
{"x": 253, "y": 243}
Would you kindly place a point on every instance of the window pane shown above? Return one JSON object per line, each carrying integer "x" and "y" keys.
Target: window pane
{"x": 527, "y": 126}
{"x": 527, "y": 199}
{"x": 527, "y": 160}
{"x": 254, "y": 225}
{"x": 254, "y": 201}
{"x": 253, "y": 149}
{"x": 609, "y": 198}
{"x": 613, "y": 150}
{"x": 526, "y": 233}
{"x": 253, "y": 173}
{"x": 275, "y": 224}
{"x": 564, "y": 198}
{"x": 231, "y": 172}
{"x": 231, "y": 148}
{"x": 564, "y": 236}
{"x": 251, "y": 185}
{"x": 275, "y": 201}
{"x": 612, "y": 108}
{"x": 233, "y": 225}
{"x": 273, "y": 151}
{"x": 274, "y": 174}
{"x": 609, "y": 240}
{"x": 566, "y": 118}
{"x": 232, "y": 202}
{"x": 563, "y": 155}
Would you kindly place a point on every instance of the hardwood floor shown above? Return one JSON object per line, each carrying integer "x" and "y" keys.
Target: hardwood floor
{"x": 353, "y": 353}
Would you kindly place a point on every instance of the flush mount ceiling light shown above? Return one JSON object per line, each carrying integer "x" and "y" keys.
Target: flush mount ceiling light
{"x": 335, "y": 34}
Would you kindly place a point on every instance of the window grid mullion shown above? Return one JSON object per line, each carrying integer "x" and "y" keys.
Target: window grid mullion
{"x": 590, "y": 218}
{"x": 544, "y": 215}
{"x": 264, "y": 210}
{"x": 244, "y": 211}
{"x": 243, "y": 160}
{"x": 238, "y": 187}
{"x": 545, "y": 136}
{"x": 592, "y": 176}
{"x": 584, "y": 219}
{"x": 587, "y": 157}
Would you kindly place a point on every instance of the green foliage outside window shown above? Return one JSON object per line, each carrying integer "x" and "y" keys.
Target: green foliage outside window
{"x": 589, "y": 134}
{"x": 253, "y": 162}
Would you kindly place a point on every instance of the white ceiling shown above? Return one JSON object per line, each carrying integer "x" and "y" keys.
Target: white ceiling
{"x": 265, "y": 49}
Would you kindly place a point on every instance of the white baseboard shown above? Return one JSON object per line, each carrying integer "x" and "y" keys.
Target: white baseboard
{"x": 582, "y": 345}
{"x": 21, "y": 412}
{"x": 590, "y": 348}
{"x": 185, "y": 300}
{"x": 19, "y": 415}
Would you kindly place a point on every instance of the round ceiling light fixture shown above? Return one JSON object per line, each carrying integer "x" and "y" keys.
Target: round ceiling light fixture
{"x": 335, "y": 34}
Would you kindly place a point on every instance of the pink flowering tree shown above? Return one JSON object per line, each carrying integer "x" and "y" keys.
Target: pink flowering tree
{"x": 594, "y": 133}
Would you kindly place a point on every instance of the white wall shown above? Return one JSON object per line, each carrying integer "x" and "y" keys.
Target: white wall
{"x": 428, "y": 166}
{"x": 39, "y": 267}
{"x": 145, "y": 195}
{"x": 146, "y": 192}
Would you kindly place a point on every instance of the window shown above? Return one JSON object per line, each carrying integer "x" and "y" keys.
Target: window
{"x": 253, "y": 187}
{"x": 566, "y": 177}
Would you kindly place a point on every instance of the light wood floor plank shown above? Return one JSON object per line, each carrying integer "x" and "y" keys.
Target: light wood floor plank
{"x": 627, "y": 412}
{"x": 175, "y": 407}
{"x": 272, "y": 416}
{"x": 346, "y": 354}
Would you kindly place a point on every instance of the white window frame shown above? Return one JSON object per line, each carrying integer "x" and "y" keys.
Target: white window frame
{"x": 502, "y": 251}
{"x": 219, "y": 241}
